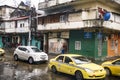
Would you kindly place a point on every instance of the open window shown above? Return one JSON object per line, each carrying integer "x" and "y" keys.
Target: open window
{"x": 60, "y": 59}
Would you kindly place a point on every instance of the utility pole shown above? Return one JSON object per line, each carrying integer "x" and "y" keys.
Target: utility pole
{"x": 29, "y": 38}
{"x": 29, "y": 22}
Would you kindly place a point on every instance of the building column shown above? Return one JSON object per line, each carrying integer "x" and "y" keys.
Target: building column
{"x": 45, "y": 45}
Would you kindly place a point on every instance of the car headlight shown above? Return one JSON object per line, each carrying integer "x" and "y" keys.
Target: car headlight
{"x": 89, "y": 70}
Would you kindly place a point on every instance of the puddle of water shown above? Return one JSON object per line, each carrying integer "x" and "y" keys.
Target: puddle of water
{"x": 10, "y": 71}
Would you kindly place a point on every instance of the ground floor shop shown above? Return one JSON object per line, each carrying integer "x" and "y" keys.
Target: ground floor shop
{"x": 14, "y": 40}
{"x": 93, "y": 43}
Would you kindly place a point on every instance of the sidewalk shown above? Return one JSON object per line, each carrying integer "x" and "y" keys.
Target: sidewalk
{"x": 51, "y": 55}
{"x": 9, "y": 51}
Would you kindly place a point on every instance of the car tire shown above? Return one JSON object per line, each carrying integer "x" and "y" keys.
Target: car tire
{"x": 78, "y": 75}
{"x": 108, "y": 71}
{"x": 54, "y": 70}
{"x": 16, "y": 57}
{"x": 30, "y": 60}
{"x": 103, "y": 79}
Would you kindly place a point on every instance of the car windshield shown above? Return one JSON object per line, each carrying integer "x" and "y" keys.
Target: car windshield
{"x": 80, "y": 60}
{"x": 35, "y": 50}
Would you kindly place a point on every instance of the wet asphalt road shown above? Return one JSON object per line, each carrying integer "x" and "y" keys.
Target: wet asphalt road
{"x": 21, "y": 70}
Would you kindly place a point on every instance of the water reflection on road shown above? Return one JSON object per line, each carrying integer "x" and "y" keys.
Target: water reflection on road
{"x": 22, "y": 71}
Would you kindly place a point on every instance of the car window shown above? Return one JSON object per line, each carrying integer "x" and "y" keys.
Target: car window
{"x": 60, "y": 58}
{"x": 67, "y": 60}
{"x": 117, "y": 62}
{"x": 22, "y": 49}
{"x": 35, "y": 49}
{"x": 80, "y": 59}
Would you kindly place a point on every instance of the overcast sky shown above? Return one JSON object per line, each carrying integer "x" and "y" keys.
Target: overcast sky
{"x": 16, "y": 2}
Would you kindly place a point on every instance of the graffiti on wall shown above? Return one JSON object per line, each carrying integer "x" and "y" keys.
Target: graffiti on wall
{"x": 57, "y": 45}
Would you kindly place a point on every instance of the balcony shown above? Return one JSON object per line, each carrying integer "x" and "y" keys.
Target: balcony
{"x": 16, "y": 30}
{"x": 51, "y": 3}
{"x": 79, "y": 25}
{"x": 10, "y": 30}
{"x": 61, "y": 26}
{"x": 22, "y": 30}
{"x": 42, "y": 5}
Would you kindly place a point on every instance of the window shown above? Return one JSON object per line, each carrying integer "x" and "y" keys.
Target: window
{"x": 80, "y": 60}
{"x": 77, "y": 45}
{"x": 22, "y": 49}
{"x": 63, "y": 18}
{"x": 21, "y": 25}
{"x": 60, "y": 59}
{"x": 67, "y": 60}
{"x": 117, "y": 62}
{"x": 35, "y": 49}
{"x": 15, "y": 24}
{"x": 112, "y": 44}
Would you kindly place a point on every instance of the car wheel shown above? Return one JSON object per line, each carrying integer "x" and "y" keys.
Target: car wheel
{"x": 103, "y": 79}
{"x": 108, "y": 71}
{"x": 54, "y": 70}
{"x": 78, "y": 75}
{"x": 30, "y": 60}
{"x": 16, "y": 57}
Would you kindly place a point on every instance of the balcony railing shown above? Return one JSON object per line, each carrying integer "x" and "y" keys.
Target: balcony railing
{"x": 58, "y": 26}
{"x": 16, "y": 30}
{"x": 79, "y": 25}
{"x": 93, "y": 23}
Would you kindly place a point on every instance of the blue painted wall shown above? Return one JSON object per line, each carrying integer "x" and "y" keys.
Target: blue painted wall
{"x": 1, "y": 44}
{"x": 35, "y": 42}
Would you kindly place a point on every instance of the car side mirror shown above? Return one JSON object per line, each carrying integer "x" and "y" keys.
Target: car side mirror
{"x": 40, "y": 50}
{"x": 27, "y": 51}
{"x": 71, "y": 63}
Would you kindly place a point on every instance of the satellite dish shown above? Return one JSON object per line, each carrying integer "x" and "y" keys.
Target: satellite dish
{"x": 107, "y": 16}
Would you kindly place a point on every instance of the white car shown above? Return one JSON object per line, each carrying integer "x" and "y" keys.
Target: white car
{"x": 30, "y": 53}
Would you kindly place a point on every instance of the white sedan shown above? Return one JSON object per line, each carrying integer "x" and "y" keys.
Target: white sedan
{"x": 30, "y": 53}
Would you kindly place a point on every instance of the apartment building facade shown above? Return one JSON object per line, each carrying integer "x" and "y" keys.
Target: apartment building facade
{"x": 18, "y": 27}
{"x": 5, "y": 12}
{"x": 87, "y": 27}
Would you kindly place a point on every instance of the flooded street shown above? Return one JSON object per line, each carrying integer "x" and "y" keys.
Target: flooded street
{"x": 22, "y": 70}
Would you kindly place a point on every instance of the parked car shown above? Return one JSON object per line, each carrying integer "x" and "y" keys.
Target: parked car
{"x": 112, "y": 67}
{"x": 30, "y": 53}
{"x": 76, "y": 65}
{"x": 2, "y": 52}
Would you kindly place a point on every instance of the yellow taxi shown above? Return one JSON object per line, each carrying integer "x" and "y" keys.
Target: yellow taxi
{"x": 2, "y": 51}
{"x": 76, "y": 65}
{"x": 112, "y": 67}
